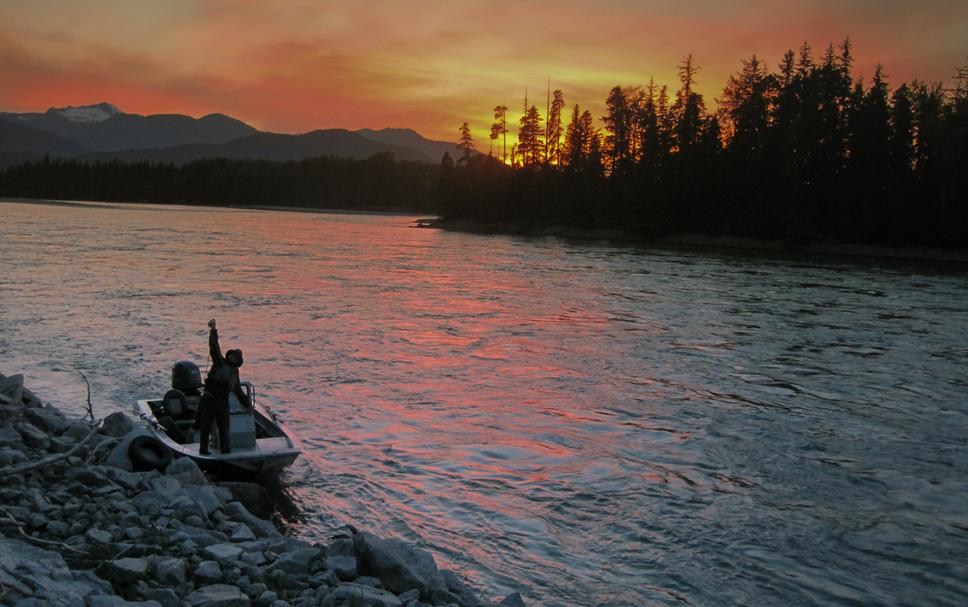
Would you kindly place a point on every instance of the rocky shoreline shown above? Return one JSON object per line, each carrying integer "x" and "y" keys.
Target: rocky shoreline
{"x": 79, "y": 526}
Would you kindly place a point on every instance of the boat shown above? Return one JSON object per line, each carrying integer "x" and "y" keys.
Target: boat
{"x": 261, "y": 444}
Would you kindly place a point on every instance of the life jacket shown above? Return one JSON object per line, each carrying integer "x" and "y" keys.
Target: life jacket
{"x": 220, "y": 382}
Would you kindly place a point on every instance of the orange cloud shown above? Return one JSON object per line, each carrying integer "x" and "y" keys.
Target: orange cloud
{"x": 298, "y": 65}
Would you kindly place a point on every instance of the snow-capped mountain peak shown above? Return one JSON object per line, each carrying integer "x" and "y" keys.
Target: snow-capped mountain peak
{"x": 87, "y": 113}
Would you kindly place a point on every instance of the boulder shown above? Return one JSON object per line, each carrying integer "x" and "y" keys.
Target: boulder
{"x": 48, "y": 419}
{"x": 362, "y": 596}
{"x": 128, "y": 480}
{"x": 97, "y": 536}
{"x": 241, "y": 533}
{"x": 167, "y": 486}
{"x": 116, "y": 601}
{"x": 344, "y": 566}
{"x": 12, "y": 456}
{"x": 117, "y": 424}
{"x": 207, "y": 496}
{"x": 218, "y": 595}
{"x": 302, "y": 561}
{"x": 171, "y": 572}
{"x": 10, "y": 439}
{"x": 12, "y": 387}
{"x": 222, "y": 552}
{"x": 262, "y": 528}
{"x": 186, "y": 471}
{"x": 208, "y": 571}
{"x": 77, "y": 430}
{"x": 252, "y": 495}
{"x": 61, "y": 444}
{"x": 166, "y": 597}
{"x": 400, "y": 566}
{"x": 28, "y": 571}
{"x": 32, "y": 436}
{"x": 123, "y": 570}
{"x": 513, "y": 600}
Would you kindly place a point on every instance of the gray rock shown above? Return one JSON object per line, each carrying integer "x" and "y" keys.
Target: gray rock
{"x": 12, "y": 387}
{"x": 362, "y": 596}
{"x": 411, "y": 595}
{"x": 47, "y": 419}
{"x": 206, "y": 496}
{"x": 58, "y": 528}
{"x": 344, "y": 566}
{"x": 77, "y": 430}
{"x": 222, "y": 552}
{"x": 32, "y": 436}
{"x": 10, "y": 439}
{"x": 97, "y": 536}
{"x": 262, "y": 528}
{"x": 171, "y": 571}
{"x": 128, "y": 480}
{"x": 61, "y": 444}
{"x": 13, "y": 456}
{"x": 149, "y": 503}
{"x": 28, "y": 571}
{"x": 117, "y": 425}
{"x": 302, "y": 561}
{"x": 252, "y": 495}
{"x": 253, "y": 557}
{"x": 165, "y": 596}
{"x": 457, "y": 586}
{"x": 186, "y": 471}
{"x": 116, "y": 601}
{"x": 241, "y": 533}
{"x": 400, "y": 566}
{"x": 208, "y": 571}
{"x": 218, "y": 595}
{"x": 124, "y": 570}
{"x": 513, "y": 600}
{"x": 267, "y": 597}
{"x": 369, "y": 580}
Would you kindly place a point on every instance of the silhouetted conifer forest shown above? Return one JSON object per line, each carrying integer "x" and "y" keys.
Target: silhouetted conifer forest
{"x": 808, "y": 151}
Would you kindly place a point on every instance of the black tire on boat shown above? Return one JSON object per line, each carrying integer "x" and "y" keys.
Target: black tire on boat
{"x": 148, "y": 453}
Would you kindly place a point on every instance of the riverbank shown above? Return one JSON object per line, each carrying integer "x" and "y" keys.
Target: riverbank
{"x": 80, "y": 526}
{"x": 701, "y": 241}
{"x": 95, "y": 204}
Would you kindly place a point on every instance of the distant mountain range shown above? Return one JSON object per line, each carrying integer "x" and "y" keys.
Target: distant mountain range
{"x": 103, "y": 132}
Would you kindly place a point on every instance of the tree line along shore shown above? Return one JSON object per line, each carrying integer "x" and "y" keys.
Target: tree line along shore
{"x": 809, "y": 151}
{"x": 80, "y": 526}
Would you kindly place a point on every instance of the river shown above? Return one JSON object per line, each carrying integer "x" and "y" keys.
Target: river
{"x": 591, "y": 424}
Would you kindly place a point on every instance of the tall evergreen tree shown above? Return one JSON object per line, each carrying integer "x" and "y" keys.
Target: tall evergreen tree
{"x": 465, "y": 143}
{"x": 500, "y": 127}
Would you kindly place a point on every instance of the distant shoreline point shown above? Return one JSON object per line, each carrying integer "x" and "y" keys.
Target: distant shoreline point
{"x": 701, "y": 241}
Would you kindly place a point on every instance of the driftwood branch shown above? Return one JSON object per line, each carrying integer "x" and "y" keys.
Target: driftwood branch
{"x": 50, "y": 459}
{"x": 90, "y": 407}
{"x": 37, "y": 540}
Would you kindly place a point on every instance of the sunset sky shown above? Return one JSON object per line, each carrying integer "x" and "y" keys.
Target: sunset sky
{"x": 295, "y": 65}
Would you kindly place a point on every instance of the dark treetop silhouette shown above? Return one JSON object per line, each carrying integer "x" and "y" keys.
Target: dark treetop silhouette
{"x": 805, "y": 152}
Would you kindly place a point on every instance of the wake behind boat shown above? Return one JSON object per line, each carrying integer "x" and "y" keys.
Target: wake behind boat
{"x": 262, "y": 446}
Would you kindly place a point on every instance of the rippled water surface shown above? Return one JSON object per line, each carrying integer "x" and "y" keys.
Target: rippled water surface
{"x": 590, "y": 424}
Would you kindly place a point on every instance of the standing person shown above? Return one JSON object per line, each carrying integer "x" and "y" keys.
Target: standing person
{"x": 222, "y": 379}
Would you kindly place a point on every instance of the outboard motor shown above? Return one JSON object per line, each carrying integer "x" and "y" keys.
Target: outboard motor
{"x": 186, "y": 378}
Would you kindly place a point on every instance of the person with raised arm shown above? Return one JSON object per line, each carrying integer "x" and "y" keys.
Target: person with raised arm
{"x": 222, "y": 380}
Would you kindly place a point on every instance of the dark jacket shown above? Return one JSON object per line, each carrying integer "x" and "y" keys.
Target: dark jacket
{"x": 222, "y": 378}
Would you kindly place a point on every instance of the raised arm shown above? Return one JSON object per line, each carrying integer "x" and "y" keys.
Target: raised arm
{"x": 213, "y": 348}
